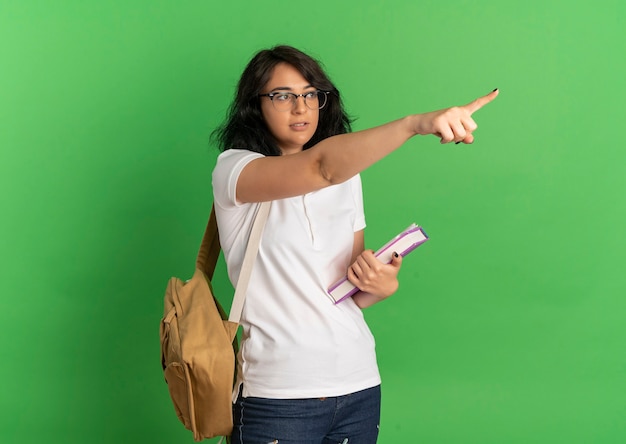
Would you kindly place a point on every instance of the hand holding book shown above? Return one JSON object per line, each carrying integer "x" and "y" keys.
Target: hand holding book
{"x": 405, "y": 242}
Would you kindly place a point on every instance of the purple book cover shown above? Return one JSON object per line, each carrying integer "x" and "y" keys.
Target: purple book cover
{"x": 403, "y": 244}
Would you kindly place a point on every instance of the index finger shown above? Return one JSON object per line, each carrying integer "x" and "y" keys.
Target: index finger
{"x": 477, "y": 104}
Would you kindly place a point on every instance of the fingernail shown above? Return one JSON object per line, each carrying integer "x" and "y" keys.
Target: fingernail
{"x": 456, "y": 143}
{"x": 395, "y": 254}
{"x": 495, "y": 90}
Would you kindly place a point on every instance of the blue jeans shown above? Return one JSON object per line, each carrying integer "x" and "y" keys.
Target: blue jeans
{"x": 352, "y": 419}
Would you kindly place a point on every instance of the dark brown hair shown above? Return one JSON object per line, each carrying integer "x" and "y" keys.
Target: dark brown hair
{"x": 245, "y": 128}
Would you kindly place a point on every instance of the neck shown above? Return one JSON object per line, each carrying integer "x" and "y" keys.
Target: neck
{"x": 293, "y": 150}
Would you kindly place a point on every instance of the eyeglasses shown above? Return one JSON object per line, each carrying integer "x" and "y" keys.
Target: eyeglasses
{"x": 285, "y": 101}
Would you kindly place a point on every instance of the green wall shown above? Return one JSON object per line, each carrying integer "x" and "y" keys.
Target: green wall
{"x": 510, "y": 323}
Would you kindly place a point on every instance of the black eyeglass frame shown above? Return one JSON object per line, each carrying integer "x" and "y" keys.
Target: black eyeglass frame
{"x": 295, "y": 98}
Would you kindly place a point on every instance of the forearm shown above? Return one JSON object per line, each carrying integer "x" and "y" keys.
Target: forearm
{"x": 364, "y": 300}
{"x": 345, "y": 155}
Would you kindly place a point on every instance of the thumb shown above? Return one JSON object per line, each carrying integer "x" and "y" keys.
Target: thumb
{"x": 396, "y": 260}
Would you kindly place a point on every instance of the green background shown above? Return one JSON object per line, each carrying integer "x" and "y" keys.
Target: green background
{"x": 509, "y": 326}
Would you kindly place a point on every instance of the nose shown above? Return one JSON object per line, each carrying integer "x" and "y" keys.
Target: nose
{"x": 299, "y": 106}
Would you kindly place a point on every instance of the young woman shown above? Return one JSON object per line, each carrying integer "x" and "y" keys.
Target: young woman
{"x": 308, "y": 371}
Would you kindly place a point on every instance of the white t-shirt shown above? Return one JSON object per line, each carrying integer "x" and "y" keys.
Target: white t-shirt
{"x": 296, "y": 342}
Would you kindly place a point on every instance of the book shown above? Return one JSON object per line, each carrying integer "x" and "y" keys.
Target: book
{"x": 405, "y": 242}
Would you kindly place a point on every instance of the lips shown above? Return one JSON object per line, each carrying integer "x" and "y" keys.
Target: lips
{"x": 299, "y": 126}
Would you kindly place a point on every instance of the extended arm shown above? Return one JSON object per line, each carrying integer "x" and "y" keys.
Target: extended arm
{"x": 338, "y": 158}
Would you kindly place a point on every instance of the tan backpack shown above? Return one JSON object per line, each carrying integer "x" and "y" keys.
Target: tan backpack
{"x": 198, "y": 341}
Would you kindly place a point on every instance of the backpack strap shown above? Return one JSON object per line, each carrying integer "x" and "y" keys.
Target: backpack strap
{"x": 210, "y": 251}
{"x": 209, "y": 248}
{"x": 248, "y": 261}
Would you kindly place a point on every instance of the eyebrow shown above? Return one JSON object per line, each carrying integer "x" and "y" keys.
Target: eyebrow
{"x": 287, "y": 88}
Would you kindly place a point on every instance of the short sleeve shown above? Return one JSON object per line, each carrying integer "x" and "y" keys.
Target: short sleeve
{"x": 357, "y": 195}
{"x": 226, "y": 174}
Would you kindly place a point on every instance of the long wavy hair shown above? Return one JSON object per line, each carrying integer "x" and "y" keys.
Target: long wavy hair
{"x": 245, "y": 127}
